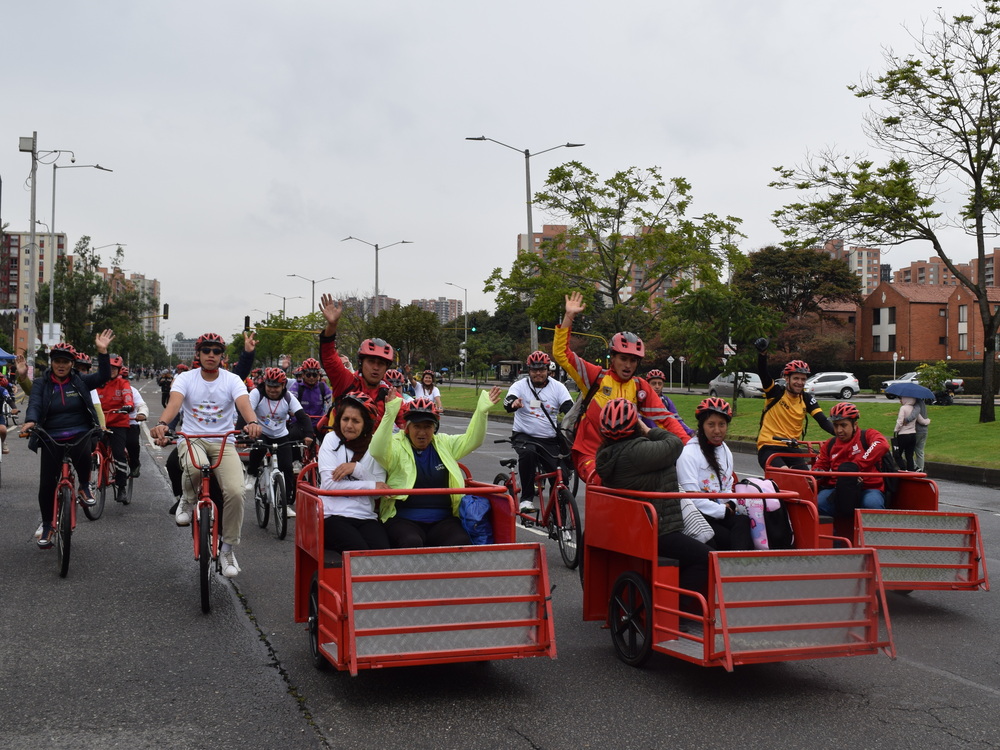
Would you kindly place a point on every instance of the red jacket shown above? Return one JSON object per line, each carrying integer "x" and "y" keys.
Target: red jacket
{"x": 833, "y": 453}
{"x": 343, "y": 381}
{"x": 116, "y": 394}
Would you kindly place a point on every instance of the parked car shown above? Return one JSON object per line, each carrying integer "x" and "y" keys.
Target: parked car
{"x": 750, "y": 385}
{"x": 910, "y": 377}
{"x": 836, "y": 384}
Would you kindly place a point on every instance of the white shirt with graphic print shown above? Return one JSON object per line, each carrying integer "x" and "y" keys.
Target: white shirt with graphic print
{"x": 209, "y": 405}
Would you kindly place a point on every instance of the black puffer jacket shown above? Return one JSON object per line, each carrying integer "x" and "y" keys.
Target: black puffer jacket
{"x": 647, "y": 464}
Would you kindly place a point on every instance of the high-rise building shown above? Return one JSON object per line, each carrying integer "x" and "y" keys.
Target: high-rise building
{"x": 15, "y": 272}
{"x": 932, "y": 271}
{"x": 864, "y": 262}
{"x": 989, "y": 269}
{"x": 445, "y": 309}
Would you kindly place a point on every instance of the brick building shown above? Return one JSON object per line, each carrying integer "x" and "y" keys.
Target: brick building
{"x": 964, "y": 338}
{"x": 910, "y": 320}
{"x": 932, "y": 271}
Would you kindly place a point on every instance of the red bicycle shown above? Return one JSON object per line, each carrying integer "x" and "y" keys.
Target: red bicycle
{"x": 102, "y": 475}
{"x": 559, "y": 515}
{"x": 205, "y": 519}
{"x": 67, "y": 494}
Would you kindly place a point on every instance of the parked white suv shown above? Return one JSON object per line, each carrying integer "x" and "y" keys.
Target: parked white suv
{"x": 841, "y": 385}
{"x": 750, "y": 385}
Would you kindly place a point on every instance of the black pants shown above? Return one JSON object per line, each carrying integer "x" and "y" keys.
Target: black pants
{"x": 283, "y": 449}
{"x": 164, "y": 397}
{"x": 693, "y": 558}
{"x": 341, "y": 533}
{"x": 907, "y": 442}
{"x": 117, "y": 439}
{"x": 49, "y": 469}
{"x": 732, "y": 532}
{"x": 531, "y": 460}
{"x": 445, "y": 533}
{"x": 793, "y": 463}
{"x": 132, "y": 443}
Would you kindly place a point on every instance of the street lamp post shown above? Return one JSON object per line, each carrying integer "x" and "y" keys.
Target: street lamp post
{"x": 53, "y": 251}
{"x": 314, "y": 282}
{"x": 30, "y": 145}
{"x": 283, "y": 300}
{"x": 377, "y": 248}
{"x": 532, "y": 327}
{"x": 465, "y": 309}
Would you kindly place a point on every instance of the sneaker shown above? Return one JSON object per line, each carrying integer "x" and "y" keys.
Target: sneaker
{"x": 38, "y": 531}
{"x": 183, "y": 514}
{"x": 47, "y": 538}
{"x": 528, "y": 505}
{"x": 249, "y": 484}
{"x": 290, "y": 511}
{"x": 5, "y": 450}
{"x": 120, "y": 494}
{"x": 87, "y": 495}
{"x": 134, "y": 473}
{"x": 227, "y": 560}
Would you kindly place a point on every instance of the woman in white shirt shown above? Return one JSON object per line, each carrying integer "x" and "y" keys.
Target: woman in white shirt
{"x": 705, "y": 466}
{"x": 427, "y": 389}
{"x": 351, "y": 523}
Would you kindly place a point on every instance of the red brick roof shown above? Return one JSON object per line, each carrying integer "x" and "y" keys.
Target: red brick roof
{"x": 931, "y": 293}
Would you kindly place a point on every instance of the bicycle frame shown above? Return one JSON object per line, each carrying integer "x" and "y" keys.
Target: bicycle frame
{"x": 204, "y": 498}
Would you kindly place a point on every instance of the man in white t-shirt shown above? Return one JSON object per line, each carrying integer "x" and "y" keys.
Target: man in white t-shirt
{"x": 209, "y": 398}
{"x": 536, "y": 402}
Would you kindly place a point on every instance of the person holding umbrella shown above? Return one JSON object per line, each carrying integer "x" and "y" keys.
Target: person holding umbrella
{"x": 906, "y": 427}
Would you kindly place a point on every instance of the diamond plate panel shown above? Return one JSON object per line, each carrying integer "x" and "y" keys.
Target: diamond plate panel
{"x": 470, "y": 558}
{"x": 408, "y": 643}
{"x": 443, "y": 615}
{"x": 367, "y": 592}
{"x": 902, "y": 519}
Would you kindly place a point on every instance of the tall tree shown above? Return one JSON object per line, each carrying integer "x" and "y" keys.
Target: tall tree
{"x": 936, "y": 113}
{"x": 78, "y": 283}
{"x": 411, "y": 331}
{"x": 626, "y": 238}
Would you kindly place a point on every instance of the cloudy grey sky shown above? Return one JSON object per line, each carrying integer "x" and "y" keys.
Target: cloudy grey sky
{"x": 247, "y": 138}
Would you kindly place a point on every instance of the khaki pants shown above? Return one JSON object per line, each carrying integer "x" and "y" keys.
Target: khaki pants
{"x": 229, "y": 474}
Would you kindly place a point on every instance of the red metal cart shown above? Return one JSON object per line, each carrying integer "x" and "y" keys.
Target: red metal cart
{"x": 389, "y": 608}
{"x": 760, "y": 606}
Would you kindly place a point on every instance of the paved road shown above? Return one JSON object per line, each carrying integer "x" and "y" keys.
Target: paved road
{"x": 119, "y": 655}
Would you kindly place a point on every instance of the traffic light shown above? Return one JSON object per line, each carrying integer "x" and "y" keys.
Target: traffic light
{"x": 246, "y": 322}
{"x": 473, "y": 329}
{"x": 166, "y": 311}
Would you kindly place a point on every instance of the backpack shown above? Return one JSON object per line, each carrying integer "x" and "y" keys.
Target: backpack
{"x": 571, "y": 419}
{"x": 887, "y": 465}
{"x": 474, "y": 513}
{"x": 770, "y": 526}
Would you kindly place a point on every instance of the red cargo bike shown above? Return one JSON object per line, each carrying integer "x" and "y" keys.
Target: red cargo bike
{"x": 919, "y": 546}
{"x": 761, "y": 606}
{"x": 401, "y": 607}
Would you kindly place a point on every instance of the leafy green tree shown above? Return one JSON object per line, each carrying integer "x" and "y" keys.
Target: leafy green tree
{"x": 796, "y": 281}
{"x": 628, "y": 237}
{"x": 411, "y": 331}
{"x": 933, "y": 376}
{"x": 936, "y": 114}
{"x": 77, "y": 284}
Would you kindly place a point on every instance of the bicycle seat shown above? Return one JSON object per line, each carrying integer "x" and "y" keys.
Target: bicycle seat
{"x": 510, "y": 463}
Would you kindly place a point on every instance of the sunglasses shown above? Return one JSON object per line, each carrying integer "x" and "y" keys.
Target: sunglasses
{"x": 211, "y": 350}
{"x": 310, "y": 373}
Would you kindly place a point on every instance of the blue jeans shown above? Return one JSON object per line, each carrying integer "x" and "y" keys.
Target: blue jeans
{"x": 871, "y": 499}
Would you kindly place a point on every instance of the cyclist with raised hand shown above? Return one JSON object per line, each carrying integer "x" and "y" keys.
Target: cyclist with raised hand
{"x": 116, "y": 401}
{"x": 139, "y": 414}
{"x": 60, "y": 402}
{"x": 656, "y": 380}
{"x": 786, "y": 411}
{"x": 209, "y": 398}
{"x": 375, "y": 357}
{"x": 274, "y": 405}
{"x": 617, "y": 381}
{"x": 536, "y": 402}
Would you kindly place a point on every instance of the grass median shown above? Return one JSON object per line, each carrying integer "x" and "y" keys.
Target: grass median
{"x": 955, "y": 435}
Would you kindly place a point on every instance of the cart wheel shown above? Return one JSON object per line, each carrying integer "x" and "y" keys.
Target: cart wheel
{"x": 260, "y": 504}
{"x": 568, "y": 530}
{"x": 95, "y": 511}
{"x": 630, "y": 615}
{"x": 903, "y": 592}
{"x": 280, "y": 505}
{"x": 205, "y": 556}
{"x": 64, "y": 536}
{"x": 319, "y": 661}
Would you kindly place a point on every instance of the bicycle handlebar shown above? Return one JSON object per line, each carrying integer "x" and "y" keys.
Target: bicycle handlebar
{"x": 535, "y": 445}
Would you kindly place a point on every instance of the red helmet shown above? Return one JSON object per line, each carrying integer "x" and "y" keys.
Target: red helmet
{"x": 628, "y": 343}
{"x": 538, "y": 360}
{"x": 182, "y": 367}
{"x": 209, "y": 339}
{"x": 844, "y": 410}
{"x": 795, "y": 366}
{"x": 62, "y": 350}
{"x": 618, "y": 419}
{"x": 124, "y": 372}
{"x": 395, "y": 378}
{"x": 716, "y": 405}
{"x": 4, "y": 382}
{"x": 117, "y": 361}
{"x": 310, "y": 364}
{"x": 425, "y": 373}
{"x": 655, "y": 375}
{"x": 422, "y": 409}
{"x": 275, "y": 376}
{"x": 377, "y": 348}
{"x": 82, "y": 358}
{"x": 363, "y": 401}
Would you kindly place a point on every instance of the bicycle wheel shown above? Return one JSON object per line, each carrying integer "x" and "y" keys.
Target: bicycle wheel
{"x": 568, "y": 529}
{"x": 315, "y": 655}
{"x": 260, "y": 503}
{"x": 103, "y": 482}
{"x": 64, "y": 532}
{"x": 630, "y": 615}
{"x": 205, "y": 556}
{"x": 280, "y": 505}
{"x": 93, "y": 512}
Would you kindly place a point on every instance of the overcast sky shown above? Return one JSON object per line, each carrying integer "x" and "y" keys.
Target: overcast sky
{"x": 248, "y": 138}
